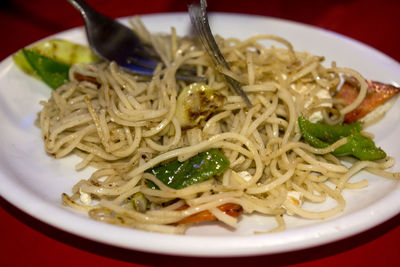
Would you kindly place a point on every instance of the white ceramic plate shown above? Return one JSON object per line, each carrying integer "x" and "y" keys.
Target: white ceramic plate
{"x": 33, "y": 181}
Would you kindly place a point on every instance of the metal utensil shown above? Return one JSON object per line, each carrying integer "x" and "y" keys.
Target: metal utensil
{"x": 198, "y": 16}
{"x": 113, "y": 41}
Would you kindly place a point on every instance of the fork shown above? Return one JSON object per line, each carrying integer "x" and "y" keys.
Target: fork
{"x": 113, "y": 41}
{"x": 198, "y": 16}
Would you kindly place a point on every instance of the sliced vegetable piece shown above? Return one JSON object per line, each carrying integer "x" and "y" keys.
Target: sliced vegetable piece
{"x": 196, "y": 102}
{"x": 232, "y": 209}
{"x": 23, "y": 64}
{"x": 52, "y": 72}
{"x": 377, "y": 94}
{"x": 360, "y": 147}
{"x": 322, "y": 135}
{"x": 328, "y": 133}
{"x": 195, "y": 170}
{"x": 137, "y": 202}
{"x": 61, "y": 51}
{"x": 65, "y": 51}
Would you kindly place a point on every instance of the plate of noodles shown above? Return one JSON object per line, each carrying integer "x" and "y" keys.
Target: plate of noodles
{"x": 86, "y": 157}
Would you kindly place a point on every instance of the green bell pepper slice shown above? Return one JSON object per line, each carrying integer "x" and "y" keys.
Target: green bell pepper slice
{"x": 52, "y": 72}
{"x": 197, "y": 169}
{"x": 322, "y": 135}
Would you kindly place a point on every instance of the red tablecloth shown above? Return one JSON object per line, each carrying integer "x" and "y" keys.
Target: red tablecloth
{"x": 29, "y": 242}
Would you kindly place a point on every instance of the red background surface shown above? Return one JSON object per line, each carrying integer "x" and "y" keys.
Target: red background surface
{"x": 25, "y": 241}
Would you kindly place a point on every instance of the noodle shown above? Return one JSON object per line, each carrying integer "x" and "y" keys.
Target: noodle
{"x": 123, "y": 125}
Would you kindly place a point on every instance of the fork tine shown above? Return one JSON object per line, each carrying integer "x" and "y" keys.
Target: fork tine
{"x": 207, "y": 37}
{"x": 198, "y": 16}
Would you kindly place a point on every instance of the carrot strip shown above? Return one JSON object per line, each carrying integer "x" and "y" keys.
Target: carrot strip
{"x": 231, "y": 209}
